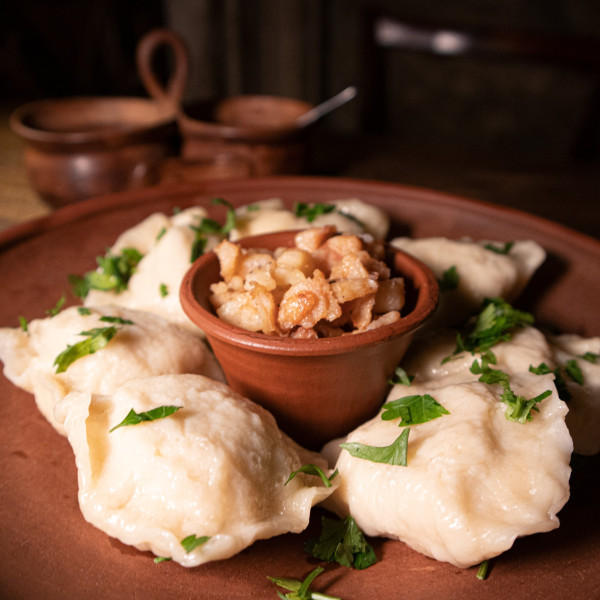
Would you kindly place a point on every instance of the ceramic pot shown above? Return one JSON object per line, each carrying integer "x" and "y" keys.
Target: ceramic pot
{"x": 317, "y": 389}
{"x": 81, "y": 147}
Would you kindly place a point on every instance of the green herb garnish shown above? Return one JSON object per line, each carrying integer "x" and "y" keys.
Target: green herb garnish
{"x": 311, "y": 211}
{"x": 210, "y": 226}
{"x": 505, "y": 249}
{"x": 299, "y": 590}
{"x": 162, "y": 232}
{"x": 559, "y": 382}
{"x": 163, "y": 290}
{"x": 84, "y": 311}
{"x": 400, "y": 377}
{"x": 112, "y": 275}
{"x": 117, "y": 320}
{"x": 518, "y": 408}
{"x": 23, "y": 324}
{"x": 342, "y": 542}
{"x": 413, "y": 410}
{"x": 160, "y": 559}
{"x": 52, "y": 312}
{"x": 191, "y": 542}
{"x": 483, "y": 570}
{"x": 97, "y": 339}
{"x": 311, "y": 469}
{"x": 449, "y": 280}
{"x": 573, "y": 370}
{"x": 134, "y": 418}
{"x": 394, "y": 454}
{"x": 590, "y": 357}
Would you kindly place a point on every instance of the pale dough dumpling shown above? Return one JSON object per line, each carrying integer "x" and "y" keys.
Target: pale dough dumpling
{"x": 150, "y": 346}
{"x": 482, "y": 273}
{"x": 583, "y": 419}
{"x": 166, "y": 244}
{"x": 350, "y": 216}
{"x": 475, "y": 481}
{"x": 217, "y": 468}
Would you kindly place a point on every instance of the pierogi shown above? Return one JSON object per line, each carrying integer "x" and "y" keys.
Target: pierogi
{"x": 474, "y": 480}
{"x": 149, "y": 346}
{"x": 217, "y": 468}
{"x": 583, "y": 418}
{"x": 482, "y": 273}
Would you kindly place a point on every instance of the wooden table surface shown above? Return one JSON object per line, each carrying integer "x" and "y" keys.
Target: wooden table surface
{"x": 567, "y": 193}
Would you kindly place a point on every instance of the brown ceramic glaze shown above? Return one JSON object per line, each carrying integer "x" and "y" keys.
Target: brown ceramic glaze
{"x": 316, "y": 389}
{"x": 48, "y": 550}
{"x": 81, "y": 147}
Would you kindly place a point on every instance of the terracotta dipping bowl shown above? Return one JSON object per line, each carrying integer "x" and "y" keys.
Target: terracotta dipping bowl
{"x": 317, "y": 389}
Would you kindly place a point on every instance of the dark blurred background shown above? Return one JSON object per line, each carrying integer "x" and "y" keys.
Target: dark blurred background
{"x": 516, "y": 120}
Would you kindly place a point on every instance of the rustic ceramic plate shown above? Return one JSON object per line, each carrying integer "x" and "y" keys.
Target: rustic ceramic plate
{"x": 48, "y": 551}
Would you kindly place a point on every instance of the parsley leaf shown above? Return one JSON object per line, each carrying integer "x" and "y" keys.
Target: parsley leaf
{"x": 449, "y": 280}
{"x": 299, "y": 590}
{"x": 97, "y": 339}
{"x": 573, "y": 370}
{"x": 52, "y": 312}
{"x": 134, "y": 418}
{"x": 191, "y": 542}
{"x": 559, "y": 382}
{"x": 342, "y": 542}
{"x": 210, "y": 226}
{"x": 311, "y": 211}
{"x": 400, "y": 377}
{"x": 23, "y": 324}
{"x": 162, "y": 232}
{"x": 163, "y": 290}
{"x": 112, "y": 275}
{"x": 160, "y": 559}
{"x": 483, "y": 570}
{"x": 413, "y": 410}
{"x": 590, "y": 357}
{"x": 84, "y": 311}
{"x": 118, "y": 320}
{"x": 494, "y": 324}
{"x": 518, "y": 408}
{"x": 311, "y": 469}
{"x": 505, "y": 249}
{"x": 394, "y": 454}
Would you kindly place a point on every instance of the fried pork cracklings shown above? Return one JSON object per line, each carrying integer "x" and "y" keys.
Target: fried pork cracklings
{"x": 143, "y": 344}
{"x": 215, "y": 469}
{"x": 474, "y": 481}
{"x": 484, "y": 270}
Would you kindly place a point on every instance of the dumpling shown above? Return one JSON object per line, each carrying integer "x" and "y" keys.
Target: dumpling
{"x": 149, "y": 346}
{"x": 166, "y": 245}
{"x": 216, "y": 468}
{"x": 475, "y": 481}
{"x": 583, "y": 418}
{"x": 350, "y": 216}
{"x": 482, "y": 273}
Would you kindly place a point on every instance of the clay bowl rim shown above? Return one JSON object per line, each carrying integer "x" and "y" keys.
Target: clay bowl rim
{"x": 126, "y": 132}
{"x": 192, "y": 128}
{"x": 427, "y": 297}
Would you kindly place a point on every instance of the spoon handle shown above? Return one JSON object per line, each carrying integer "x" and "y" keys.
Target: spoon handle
{"x": 326, "y": 107}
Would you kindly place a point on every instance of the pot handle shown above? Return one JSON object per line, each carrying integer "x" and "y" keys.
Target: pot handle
{"x": 147, "y": 46}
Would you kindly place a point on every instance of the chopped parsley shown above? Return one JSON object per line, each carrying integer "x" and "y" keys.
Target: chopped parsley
{"x": 84, "y": 311}
{"x": 483, "y": 570}
{"x": 112, "y": 275}
{"x": 117, "y": 320}
{"x": 342, "y": 542}
{"x": 311, "y": 211}
{"x": 162, "y": 232}
{"x": 400, "y": 377}
{"x": 573, "y": 370}
{"x": 311, "y": 469}
{"x": 210, "y": 226}
{"x": 134, "y": 418}
{"x": 559, "y": 381}
{"x": 494, "y": 324}
{"x": 23, "y": 324}
{"x": 505, "y": 249}
{"x": 191, "y": 542}
{"x": 52, "y": 312}
{"x": 590, "y": 357}
{"x": 96, "y": 339}
{"x": 518, "y": 408}
{"x": 413, "y": 410}
{"x": 160, "y": 559}
{"x": 163, "y": 290}
{"x": 449, "y": 280}
{"x": 299, "y": 590}
{"x": 394, "y": 454}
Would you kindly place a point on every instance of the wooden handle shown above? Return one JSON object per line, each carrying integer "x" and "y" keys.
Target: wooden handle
{"x": 173, "y": 92}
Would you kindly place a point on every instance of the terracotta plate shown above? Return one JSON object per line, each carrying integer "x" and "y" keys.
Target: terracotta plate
{"x": 48, "y": 551}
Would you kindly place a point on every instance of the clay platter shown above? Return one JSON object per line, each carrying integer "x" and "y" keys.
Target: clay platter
{"x": 48, "y": 551}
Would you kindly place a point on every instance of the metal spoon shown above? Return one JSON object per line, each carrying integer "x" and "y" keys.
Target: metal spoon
{"x": 326, "y": 107}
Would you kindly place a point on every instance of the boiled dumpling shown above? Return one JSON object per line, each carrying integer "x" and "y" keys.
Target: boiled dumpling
{"x": 216, "y": 468}
{"x": 482, "y": 273}
{"x": 149, "y": 346}
{"x": 583, "y": 418}
{"x": 474, "y": 482}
